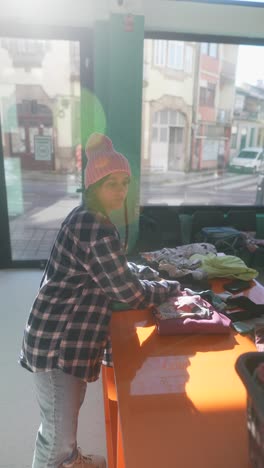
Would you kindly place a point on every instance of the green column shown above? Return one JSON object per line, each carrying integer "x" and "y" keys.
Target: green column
{"x": 118, "y": 86}
{"x": 101, "y": 70}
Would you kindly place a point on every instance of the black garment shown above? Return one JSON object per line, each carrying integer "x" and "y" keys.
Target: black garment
{"x": 248, "y": 309}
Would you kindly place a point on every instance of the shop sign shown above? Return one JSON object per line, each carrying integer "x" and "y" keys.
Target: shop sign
{"x": 43, "y": 147}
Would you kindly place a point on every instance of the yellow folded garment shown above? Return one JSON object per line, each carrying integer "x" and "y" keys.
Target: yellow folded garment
{"x": 226, "y": 266}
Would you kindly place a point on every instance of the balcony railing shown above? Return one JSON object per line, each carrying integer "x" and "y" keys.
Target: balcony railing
{"x": 246, "y": 115}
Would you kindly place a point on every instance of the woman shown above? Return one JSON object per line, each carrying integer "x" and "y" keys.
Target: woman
{"x": 67, "y": 334}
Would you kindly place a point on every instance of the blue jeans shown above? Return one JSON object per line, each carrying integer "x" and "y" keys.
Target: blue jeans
{"x": 60, "y": 397}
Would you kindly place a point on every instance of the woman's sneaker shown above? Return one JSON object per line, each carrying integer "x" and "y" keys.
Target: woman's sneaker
{"x": 87, "y": 461}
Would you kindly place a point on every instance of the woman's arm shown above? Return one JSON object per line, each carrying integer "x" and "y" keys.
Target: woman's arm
{"x": 109, "y": 269}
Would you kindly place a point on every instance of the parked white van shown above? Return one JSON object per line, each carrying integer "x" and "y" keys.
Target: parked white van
{"x": 249, "y": 159}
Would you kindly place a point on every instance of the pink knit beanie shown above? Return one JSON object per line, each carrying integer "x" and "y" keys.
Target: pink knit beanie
{"x": 102, "y": 159}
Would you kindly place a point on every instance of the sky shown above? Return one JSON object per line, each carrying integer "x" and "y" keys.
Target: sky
{"x": 250, "y": 64}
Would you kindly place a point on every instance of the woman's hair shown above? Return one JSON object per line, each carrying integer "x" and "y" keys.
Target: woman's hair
{"x": 91, "y": 202}
{"x": 90, "y": 199}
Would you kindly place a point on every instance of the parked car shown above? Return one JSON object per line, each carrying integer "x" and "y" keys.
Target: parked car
{"x": 249, "y": 159}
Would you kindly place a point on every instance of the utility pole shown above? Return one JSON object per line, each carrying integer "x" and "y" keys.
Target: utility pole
{"x": 196, "y": 96}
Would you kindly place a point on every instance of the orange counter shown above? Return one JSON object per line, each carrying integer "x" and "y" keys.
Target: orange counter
{"x": 180, "y": 401}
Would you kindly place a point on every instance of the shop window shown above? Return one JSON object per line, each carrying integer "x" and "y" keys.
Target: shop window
{"x": 252, "y": 137}
{"x": 209, "y": 48}
{"x": 234, "y": 138}
{"x": 154, "y": 134}
{"x": 188, "y": 59}
{"x": 204, "y": 108}
{"x": 173, "y": 54}
{"x": 160, "y": 53}
{"x": 18, "y": 140}
{"x": 163, "y": 134}
{"x": 164, "y": 117}
{"x": 207, "y": 95}
{"x": 32, "y": 132}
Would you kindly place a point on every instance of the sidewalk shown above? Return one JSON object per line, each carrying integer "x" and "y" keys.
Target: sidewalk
{"x": 170, "y": 177}
{"x": 46, "y": 199}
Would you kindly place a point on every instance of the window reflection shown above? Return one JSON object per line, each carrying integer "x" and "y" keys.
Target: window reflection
{"x": 40, "y": 116}
{"x": 202, "y": 105}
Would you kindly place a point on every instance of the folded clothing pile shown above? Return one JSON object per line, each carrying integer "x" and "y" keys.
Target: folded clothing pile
{"x": 198, "y": 260}
{"x": 176, "y": 262}
{"x": 187, "y": 314}
{"x": 226, "y": 266}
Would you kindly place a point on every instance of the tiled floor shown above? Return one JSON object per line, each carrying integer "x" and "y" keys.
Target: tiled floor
{"x": 19, "y": 412}
{"x": 46, "y": 198}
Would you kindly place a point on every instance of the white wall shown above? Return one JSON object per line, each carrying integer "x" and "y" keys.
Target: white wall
{"x": 160, "y": 15}
{"x": 202, "y": 18}
{"x": 53, "y": 12}
{"x": 53, "y": 77}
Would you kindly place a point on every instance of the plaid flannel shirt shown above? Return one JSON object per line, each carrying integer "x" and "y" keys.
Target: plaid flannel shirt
{"x": 68, "y": 326}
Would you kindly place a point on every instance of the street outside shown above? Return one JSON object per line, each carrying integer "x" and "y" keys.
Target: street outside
{"x": 48, "y": 198}
{"x": 199, "y": 188}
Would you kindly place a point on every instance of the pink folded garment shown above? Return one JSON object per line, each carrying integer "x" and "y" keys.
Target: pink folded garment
{"x": 213, "y": 323}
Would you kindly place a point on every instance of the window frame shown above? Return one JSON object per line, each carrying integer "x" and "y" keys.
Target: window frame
{"x": 218, "y": 39}
{"x": 180, "y": 61}
{"x": 246, "y": 3}
{"x": 209, "y": 96}
{"x": 55, "y": 32}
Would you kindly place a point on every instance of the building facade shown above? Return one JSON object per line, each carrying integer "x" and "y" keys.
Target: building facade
{"x": 188, "y": 102}
{"x": 40, "y": 102}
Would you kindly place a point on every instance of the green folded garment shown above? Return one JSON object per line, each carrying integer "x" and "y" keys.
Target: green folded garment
{"x": 225, "y": 266}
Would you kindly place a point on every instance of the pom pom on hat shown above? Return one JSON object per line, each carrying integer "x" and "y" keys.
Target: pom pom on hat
{"x": 102, "y": 159}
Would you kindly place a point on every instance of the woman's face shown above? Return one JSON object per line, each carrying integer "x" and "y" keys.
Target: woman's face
{"x": 113, "y": 191}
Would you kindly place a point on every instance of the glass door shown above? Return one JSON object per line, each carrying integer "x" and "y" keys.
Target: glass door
{"x": 41, "y": 139}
